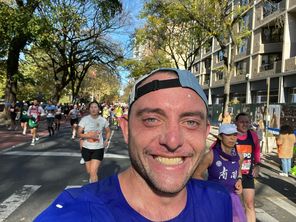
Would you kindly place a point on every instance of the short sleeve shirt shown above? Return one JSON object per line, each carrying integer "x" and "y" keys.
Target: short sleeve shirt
{"x": 88, "y": 123}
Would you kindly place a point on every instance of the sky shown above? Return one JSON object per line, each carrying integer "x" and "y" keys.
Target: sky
{"x": 133, "y": 7}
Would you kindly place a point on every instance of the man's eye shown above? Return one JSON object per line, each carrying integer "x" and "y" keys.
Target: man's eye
{"x": 192, "y": 123}
{"x": 150, "y": 120}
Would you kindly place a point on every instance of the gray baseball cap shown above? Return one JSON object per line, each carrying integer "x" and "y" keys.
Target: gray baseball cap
{"x": 185, "y": 79}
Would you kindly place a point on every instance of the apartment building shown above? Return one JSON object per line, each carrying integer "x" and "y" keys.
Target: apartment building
{"x": 267, "y": 55}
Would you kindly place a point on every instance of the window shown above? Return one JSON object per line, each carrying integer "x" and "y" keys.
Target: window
{"x": 207, "y": 63}
{"x": 243, "y": 46}
{"x": 244, "y": 2}
{"x": 246, "y": 23}
{"x": 206, "y": 79}
{"x": 270, "y": 7}
{"x": 267, "y": 61}
{"x": 272, "y": 35}
{"x": 219, "y": 75}
{"x": 242, "y": 68}
{"x": 208, "y": 46}
{"x": 196, "y": 68}
{"x": 261, "y": 97}
{"x": 219, "y": 57}
{"x": 292, "y": 95}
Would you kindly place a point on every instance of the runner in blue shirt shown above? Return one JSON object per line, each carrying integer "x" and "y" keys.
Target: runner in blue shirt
{"x": 166, "y": 132}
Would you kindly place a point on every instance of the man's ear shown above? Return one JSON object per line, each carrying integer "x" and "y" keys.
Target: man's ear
{"x": 123, "y": 123}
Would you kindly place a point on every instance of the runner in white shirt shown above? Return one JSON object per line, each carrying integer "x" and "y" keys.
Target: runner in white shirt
{"x": 74, "y": 114}
{"x": 91, "y": 131}
{"x": 34, "y": 112}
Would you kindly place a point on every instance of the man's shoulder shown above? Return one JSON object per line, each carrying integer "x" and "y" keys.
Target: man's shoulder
{"x": 208, "y": 187}
{"x": 82, "y": 204}
{"x": 210, "y": 200}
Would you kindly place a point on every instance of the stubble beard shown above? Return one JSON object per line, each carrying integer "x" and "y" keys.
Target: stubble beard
{"x": 152, "y": 181}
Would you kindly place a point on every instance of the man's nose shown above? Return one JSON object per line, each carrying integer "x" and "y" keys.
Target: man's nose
{"x": 172, "y": 137}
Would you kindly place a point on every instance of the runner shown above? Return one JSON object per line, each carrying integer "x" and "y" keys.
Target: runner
{"x": 91, "y": 131}
{"x": 24, "y": 118}
{"x": 74, "y": 114}
{"x": 248, "y": 145}
{"x": 35, "y": 111}
{"x": 223, "y": 165}
{"x": 58, "y": 117}
{"x": 50, "y": 115}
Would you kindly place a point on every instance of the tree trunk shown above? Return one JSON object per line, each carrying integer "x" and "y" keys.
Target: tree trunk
{"x": 16, "y": 46}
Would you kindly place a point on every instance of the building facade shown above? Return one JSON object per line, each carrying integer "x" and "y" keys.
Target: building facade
{"x": 266, "y": 59}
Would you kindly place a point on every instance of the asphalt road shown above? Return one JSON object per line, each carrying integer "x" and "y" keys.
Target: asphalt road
{"x": 32, "y": 176}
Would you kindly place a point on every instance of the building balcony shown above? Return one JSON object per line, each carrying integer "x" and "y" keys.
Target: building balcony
{"x": 239, "y": 77}
{"x": 271, "y": 47}
{"x": 270, "y": 69}
{"x": 218, "y": 65}
{"x": 265, "y": 12}
{"x": 219, "y": 82}
{"x": 290, "y": 64}
{"x": 206, "y": 83}
{"x": 270, "y": 8}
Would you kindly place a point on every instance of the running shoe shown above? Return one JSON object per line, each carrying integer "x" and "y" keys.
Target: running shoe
{"x": 283, "y": 174}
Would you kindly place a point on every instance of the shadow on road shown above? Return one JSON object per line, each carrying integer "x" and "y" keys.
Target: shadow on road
{"x": 278, "y": 184}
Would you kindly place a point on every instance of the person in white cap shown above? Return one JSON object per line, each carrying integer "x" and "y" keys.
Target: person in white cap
{"x": 223, "y": 164}
{"x": 166, "y": 132}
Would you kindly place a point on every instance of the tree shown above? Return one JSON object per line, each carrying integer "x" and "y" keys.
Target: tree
{"x": 18, "y": 25}
{"x": 77, "y": 39}
{"x": 165, "y": 30}
{"x": 144, "y": 64}
{"x": 222, "y": 20}
{"x": 100, "y": 84}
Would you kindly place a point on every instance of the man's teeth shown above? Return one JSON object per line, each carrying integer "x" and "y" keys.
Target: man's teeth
{"x": 169, "y": 161}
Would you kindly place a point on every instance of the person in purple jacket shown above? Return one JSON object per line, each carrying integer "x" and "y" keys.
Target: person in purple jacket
{"x": 166, "y": 131}
{"x": 223, "y": 164}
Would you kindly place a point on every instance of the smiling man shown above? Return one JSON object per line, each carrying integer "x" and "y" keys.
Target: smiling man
{"x": 166, "y": 133}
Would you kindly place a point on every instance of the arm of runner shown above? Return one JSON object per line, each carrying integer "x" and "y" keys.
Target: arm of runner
{"x": 206, "y": 161}
{"x": 108, "y": 135}
{"x": 256, "y": 154}
{"x": 238, "y": 185}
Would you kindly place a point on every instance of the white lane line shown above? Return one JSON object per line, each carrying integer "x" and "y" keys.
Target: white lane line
{"x": 262, "y": 216}
{"x": 60, "y": 154}
{"x": 15, "y": 200}
{"x": 283, "y": 204}
{"x": 73, "y": 186}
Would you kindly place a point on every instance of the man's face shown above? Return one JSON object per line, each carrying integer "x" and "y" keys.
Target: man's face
{"x": 167, "y": 135}
{"x": 243, "y": 124}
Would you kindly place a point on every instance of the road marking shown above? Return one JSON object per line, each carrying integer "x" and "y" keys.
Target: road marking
{"x": 262, "y": 216}
{"x": 60, "y": 154}
{"x": 283, "y": 204}
{"x": 73, "y": 186}
{"x": 15, "y": 200}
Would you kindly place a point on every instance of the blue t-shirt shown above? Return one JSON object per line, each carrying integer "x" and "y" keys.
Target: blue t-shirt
{"x": 104, "y": 201}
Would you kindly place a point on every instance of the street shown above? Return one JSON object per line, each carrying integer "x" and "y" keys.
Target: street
{"x": 32, "y": 177}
